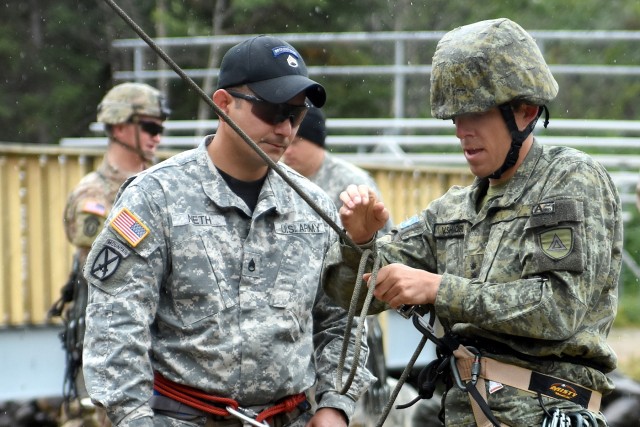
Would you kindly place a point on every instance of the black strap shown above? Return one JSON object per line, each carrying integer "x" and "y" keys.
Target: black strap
{"x": 484, "y": 406}
{"x": 166, "y": 404}
{"x": 439, "y": 370}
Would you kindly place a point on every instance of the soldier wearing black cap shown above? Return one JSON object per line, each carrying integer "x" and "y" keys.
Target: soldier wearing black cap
{"x": 205, "y": 306}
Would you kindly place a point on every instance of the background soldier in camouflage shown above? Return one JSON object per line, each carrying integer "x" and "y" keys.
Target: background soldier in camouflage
{"x": 133, "y": 114}
{"x": 208, "y": 274}
{"x": 524, "y": 263}
{"x": 308, "y": 156}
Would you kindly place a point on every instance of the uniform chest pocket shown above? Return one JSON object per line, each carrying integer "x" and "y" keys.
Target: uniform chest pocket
{"x": 294, "y": 291}
{"x": 291, "y": 314}
{"x": 198, "y": 290}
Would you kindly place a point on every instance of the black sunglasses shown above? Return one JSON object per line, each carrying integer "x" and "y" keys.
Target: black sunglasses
{"x": 152, "y": 128}
{"x": 273, "y": 113}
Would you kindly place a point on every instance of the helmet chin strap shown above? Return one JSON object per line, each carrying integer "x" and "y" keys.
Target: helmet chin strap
{"x": 517, "y": 136}
{"x": 144, "y": 157}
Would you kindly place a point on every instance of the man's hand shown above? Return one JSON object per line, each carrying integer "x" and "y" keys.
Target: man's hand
{"x": 362, "y": 215}
{"x": 397, "y": 284}
{"x": 327, "y": 417}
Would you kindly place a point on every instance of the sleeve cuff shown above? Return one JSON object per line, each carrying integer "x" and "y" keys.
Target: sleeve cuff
{"x": 450, "y": 297}
{"x": 333, "y": 399}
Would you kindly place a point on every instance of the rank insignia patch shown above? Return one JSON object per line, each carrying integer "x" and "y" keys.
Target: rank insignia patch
{"x": 129, "y": 227}
{"x": 543, "y": 208}
{"x": 556, "y": 243}
{"x": 106, "y": 263}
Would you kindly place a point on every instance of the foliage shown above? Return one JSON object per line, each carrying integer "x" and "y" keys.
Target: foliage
{"x": 629, "y": 295}
{"x": 59, "y": 60}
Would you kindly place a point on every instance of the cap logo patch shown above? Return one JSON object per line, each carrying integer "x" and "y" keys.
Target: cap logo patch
{"x": 293, "y": 62}
{"x": 129, "y": 227}
{"x": 281, "y": 50}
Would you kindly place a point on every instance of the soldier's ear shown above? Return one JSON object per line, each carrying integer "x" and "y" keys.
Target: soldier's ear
{"x": 524, "y": 114}
{"x": 117, "y": 130}
{"x": 222, "y": 99}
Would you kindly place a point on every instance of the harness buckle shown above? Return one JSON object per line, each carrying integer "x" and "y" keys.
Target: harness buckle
{"x": 406, "y": 311}
{"x": 246, "y": 415}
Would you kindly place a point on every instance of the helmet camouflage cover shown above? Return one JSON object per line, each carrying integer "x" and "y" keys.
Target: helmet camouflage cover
{"x": 482, "y": 65}
{"x": 128, "y": 99}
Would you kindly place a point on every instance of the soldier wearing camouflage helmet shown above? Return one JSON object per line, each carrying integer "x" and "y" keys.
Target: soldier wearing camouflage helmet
{"x": 521, "y": 267}
{"x": 133, "y": 114}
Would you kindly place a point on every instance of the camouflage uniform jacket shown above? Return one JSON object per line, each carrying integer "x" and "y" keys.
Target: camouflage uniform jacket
{"x": 535, "y": 270}
{"x": 212, "y": 295}
{"x": 336, "y": 174}
{"x": 89, "y": 204}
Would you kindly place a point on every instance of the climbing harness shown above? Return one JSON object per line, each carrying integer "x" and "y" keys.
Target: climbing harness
{"x": 464, "y": 367}
{"x": 222, "y": 406}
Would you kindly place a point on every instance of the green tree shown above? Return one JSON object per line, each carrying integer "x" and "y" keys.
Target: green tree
{"x": 59, "y": 61}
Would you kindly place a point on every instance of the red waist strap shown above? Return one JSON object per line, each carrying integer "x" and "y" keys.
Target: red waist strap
{"x": 215, "y": 404}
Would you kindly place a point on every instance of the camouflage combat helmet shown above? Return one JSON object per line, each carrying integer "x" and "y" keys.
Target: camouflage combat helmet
{"x": 128, "y": 99}
{"x": 483, "y": 65}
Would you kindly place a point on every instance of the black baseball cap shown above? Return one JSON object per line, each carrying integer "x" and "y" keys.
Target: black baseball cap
{"x": 271, "y": 68}
{"x": 313, "y": 127}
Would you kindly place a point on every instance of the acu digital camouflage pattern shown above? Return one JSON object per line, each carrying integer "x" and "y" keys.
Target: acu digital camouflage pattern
{"x": 482, "y": 65}
{"x": 85, "y": 212}
{"x": 128, "y": 99}
{"x": 553, "y": 300}
{"x": 215, "y": 296}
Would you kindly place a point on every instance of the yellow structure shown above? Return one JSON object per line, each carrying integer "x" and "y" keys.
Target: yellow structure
{"x": 35, "y": 181}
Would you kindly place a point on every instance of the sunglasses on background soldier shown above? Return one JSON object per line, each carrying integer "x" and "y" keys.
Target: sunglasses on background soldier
{"x": 152, "y": 128}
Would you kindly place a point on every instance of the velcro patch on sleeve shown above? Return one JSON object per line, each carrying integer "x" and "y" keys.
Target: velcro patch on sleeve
{"x": 129, "y": 227}
{"x": 94, "y": 207}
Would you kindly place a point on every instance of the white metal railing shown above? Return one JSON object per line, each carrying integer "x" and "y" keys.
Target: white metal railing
{"x": 431, "y": 142}
{"x": 399, "y": 63}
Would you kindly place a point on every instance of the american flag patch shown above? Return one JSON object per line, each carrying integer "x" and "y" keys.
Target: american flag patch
{"x": 129, "y": 227}
{"x": 94, "y": 207}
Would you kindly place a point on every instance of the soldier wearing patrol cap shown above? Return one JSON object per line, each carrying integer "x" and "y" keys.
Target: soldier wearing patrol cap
{"x": 132, "y": 114}
{"x": 205, "y": 306}
{"x": 522, "y": 266}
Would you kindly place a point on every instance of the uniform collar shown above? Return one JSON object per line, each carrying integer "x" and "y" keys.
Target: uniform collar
{"x": 275, "y": 194}
{"x": 520, "y": 179}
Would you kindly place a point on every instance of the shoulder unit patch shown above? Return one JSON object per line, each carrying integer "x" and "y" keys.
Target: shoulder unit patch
{"x": 556, "y": 243}
{"x": 106, "y": 263}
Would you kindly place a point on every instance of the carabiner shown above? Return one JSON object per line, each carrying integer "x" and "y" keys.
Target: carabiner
{"x": 476, "y": 369}
{"x": 455, "y": 373}
{"x": 246, "y": 415}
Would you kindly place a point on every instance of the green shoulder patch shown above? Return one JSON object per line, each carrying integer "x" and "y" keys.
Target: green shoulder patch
{"x": 556, "y": 243}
